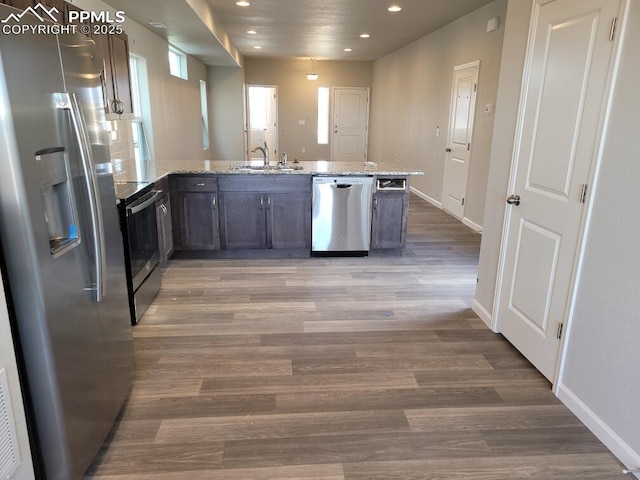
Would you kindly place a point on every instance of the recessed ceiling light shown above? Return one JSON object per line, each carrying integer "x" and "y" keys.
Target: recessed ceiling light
{"x": 243, "y": 4}
{"x": 257, "y": 47}
{"x": 394, "y": 8}
{"x": 364, "y": 35}
{"x": 252, "y": 32}
{"x": 348, "y": 49}
{"x": 157, "y": 25}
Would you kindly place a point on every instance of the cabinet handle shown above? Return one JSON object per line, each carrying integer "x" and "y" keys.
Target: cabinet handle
{"x": 214, "y": 202}
{"x": 269, "y": 201}
{"x": 197, "y": 184}
{"x": 375, "y": 202}
{"x": 262, "y": 201}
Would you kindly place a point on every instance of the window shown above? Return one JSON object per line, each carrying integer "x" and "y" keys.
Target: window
{"x": 204, "y": 110}
{"x": 177, "y": 63}
{"x": 141, "y": 123}
{"x": 323, "y": 116}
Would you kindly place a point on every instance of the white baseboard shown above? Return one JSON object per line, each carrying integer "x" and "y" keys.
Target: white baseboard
{"x": 426, "y": 197}
{"x": 483, "y": 313}
{"x": 472, "y": 225}
{"x": 600, "y": 429}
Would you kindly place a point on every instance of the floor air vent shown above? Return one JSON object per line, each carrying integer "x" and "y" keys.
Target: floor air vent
{"x": 9, "y": 455}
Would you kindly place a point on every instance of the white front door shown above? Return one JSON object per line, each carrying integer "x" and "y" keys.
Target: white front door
{"x": 262, "y": 115}
{"x": 350, "y": 124}
{"x": 463, "y": 107}
{"x": 557, "y": 142}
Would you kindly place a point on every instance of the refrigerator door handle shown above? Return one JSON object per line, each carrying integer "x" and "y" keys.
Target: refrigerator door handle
{"x": 69, "y": 101}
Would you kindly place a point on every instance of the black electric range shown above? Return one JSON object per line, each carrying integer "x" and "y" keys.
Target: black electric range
{"x": 137, "y": 210}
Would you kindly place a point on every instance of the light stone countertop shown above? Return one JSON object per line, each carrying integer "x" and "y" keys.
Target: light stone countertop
{"x": 320, "y": 167}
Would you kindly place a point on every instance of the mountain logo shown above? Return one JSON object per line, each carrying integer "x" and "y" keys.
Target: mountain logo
{"x": 45, "y": 14}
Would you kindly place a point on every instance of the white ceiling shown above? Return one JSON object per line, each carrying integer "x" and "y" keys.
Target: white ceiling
{"x": 320, "y": 29}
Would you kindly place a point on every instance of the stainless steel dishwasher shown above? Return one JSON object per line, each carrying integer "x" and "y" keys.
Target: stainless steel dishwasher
{"x": 341, "y": 221}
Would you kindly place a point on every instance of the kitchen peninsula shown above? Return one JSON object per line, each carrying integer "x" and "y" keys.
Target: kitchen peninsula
{"x": 220, "y": 208}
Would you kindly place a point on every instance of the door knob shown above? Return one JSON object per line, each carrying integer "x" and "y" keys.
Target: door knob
{"x": 513, "y": 200}
{"x": 447, "y": 150}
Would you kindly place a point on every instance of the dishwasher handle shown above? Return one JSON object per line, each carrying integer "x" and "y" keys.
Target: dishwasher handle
{"x": 343, "y": 185}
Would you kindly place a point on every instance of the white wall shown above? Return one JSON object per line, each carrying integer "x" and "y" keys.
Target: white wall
{"x": 508, "y": 98}
{"x": 8, "y": 362}
{"x": 226, "y": 124}
{"x": 600, "y": 380}
{"x": 411, "y": 97}
{"x": 602, "y": 366}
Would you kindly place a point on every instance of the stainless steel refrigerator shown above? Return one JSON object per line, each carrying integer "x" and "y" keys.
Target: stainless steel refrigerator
{"x": 60, "y": 234}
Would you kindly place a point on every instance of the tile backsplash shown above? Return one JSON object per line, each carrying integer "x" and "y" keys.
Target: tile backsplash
{"x": 122, "y": 150}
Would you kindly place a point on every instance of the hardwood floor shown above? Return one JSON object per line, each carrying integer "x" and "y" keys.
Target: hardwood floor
{"x": 340, "y": 369}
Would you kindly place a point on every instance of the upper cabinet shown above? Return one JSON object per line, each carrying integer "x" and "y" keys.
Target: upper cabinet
{"x": 114, "y": 49}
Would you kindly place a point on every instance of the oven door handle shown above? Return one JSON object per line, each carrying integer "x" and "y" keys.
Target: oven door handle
{"x": 138, "y": 208}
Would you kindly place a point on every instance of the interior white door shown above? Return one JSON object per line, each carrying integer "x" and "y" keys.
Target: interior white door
{"x": 262, "y": 115}
{"x": 350, "y": 124}
{"x": 556, "y": 143}
{"x": 458, "y": 155}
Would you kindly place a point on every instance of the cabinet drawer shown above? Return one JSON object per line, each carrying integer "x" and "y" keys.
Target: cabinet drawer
{"x": 197, "y": 184}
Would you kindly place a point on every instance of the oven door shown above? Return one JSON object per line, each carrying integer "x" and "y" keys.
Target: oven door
{"x": 142, "y": 233}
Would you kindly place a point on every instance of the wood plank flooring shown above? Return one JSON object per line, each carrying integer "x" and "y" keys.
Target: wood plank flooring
{"x": 340, "y": 369}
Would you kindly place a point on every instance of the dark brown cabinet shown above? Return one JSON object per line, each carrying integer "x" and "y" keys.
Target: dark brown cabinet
{"x": 21, "y": 4}
{"x": 243, "y": 220}
{"x": 289, "y": 220}
{"x": 122, "y": 102}
{"x": 114, "y": 50}
{"x": 195, "y": 212}
{"x": 390, "y": 213}
{"x": 265, "y": 211}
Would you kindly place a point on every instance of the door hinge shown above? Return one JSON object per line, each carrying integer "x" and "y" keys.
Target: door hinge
{"x": 583, "y": 194}
{"x": 475, "y": 87}
{"x": 612, "y": 32}
{"x": 462, "y": 202}
{"x": 468, "y": 146}
{"x": 559, "y": 333}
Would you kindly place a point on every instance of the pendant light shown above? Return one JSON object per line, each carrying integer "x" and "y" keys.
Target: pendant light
{"x": 312, "y": 75}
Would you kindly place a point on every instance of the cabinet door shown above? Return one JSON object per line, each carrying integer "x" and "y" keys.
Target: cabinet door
{"x": 21, "y": 4}
{"x": 199, "y": 221}
{"x": 289, "y": 220}
{"x": 119, "y": 47}
{"x": 243, "y": 220}
{"x": 102, "y": 50}
{"x": 389, "y": 223}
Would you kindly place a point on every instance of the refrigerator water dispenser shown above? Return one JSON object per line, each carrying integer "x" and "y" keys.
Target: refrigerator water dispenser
{"x": 58, "y": 200}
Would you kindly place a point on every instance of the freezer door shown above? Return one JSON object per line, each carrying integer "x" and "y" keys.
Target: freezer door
{"x": 82, "y": 70}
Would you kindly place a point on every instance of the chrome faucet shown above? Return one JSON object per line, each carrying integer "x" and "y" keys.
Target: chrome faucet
{"x": 265, "y": 153}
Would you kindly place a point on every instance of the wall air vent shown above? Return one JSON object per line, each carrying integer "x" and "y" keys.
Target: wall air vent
{"x": 9, "y": 455}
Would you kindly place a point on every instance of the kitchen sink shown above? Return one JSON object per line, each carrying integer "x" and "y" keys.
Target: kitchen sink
{"x": 276, "y": 168}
